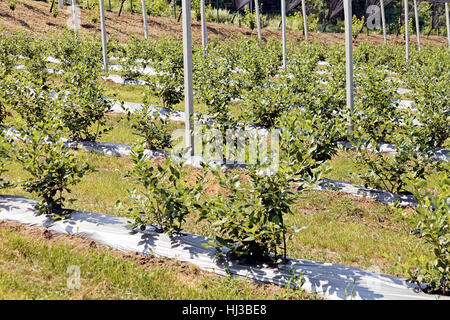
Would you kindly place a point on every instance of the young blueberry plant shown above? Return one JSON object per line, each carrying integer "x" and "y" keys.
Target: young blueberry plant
{"x": 265, "y": 105}
{"x": 31, "y": 102}
{"x": 83, "y": 106}
{"x": 413, "y": 158}
{"x": 375, "y": 110}
{"x": 148, "y": 124}
{"x": 432, "y": 224}
{"x": 53, "y": 169}
{"x": 163, "y": 195}
{"x": 168, "y": 82}
{"x": 8, "y": 58}
{"x": 250, "y": 215}
{"x": 4, "y": 157}
{"x": 34, "y": 51}
{"x": 136, "y": 50}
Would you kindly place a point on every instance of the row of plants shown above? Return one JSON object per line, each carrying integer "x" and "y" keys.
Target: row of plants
{"x": 245, "y": 75}
{"x": 251, "y": 215}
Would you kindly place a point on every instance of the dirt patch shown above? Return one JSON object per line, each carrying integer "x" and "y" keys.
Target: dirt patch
{"x": 35, "y": 17}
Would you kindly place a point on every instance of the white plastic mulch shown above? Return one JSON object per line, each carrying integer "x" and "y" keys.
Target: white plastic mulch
{"x": 332, "y": 281}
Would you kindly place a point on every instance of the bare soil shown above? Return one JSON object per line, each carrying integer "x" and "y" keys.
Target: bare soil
{"x": 34, "y": 17}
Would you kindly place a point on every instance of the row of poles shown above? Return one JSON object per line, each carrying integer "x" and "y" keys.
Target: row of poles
{"x": 187, "y": 46}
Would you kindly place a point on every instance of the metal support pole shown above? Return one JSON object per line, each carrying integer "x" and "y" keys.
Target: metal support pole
{"x": 203, "y": 23}
{"x": 416, "y": 17}
{"x": 348, "y": 58}
{"x": 447, "y": 19}
{"x": 305, "y": 25}
{"x": 283, "y": 31}
{"x": 75, "y": 20}
{"x": 217, "y": 8}
{"x": 144, "y": 18}
{"x": 103, "y": 29}
{"x": 383, "y": 20}
{"x": 175, "y": 9}
{"x": 188, "y": 88}
{"x": 258, "y": 22}
{"x": 406, "y": 29}
{"x": 61, "y": 4}
{"x": 324, "y": 21}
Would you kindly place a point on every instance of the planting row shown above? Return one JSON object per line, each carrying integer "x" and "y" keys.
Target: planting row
{"x": 251, "y": 213}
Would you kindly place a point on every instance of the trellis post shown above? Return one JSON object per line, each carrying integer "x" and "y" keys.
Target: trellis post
{"x": 188, "y": 89}
{"x": 283, "y": 31}
{"x": 416, "y": 17}
{"x": 217, "y": 8}
{"x": 305, "y": 25}
{"x": 144, "y": 18}
{"x": 406, "y": 30}
{"x": 103, "y": 30}
{"x": 203, "y": 22}
{"x": 447, "y": 19}
{"x": 348, "y": 58}
{"x": 258, "y": 22}
{"x": 383, "y": 20}
{"x": 74, "y": 14}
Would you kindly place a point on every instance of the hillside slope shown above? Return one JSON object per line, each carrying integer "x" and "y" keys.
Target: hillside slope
{"x": 34, "y": 16}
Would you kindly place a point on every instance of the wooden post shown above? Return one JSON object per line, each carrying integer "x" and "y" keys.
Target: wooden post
{"x": 258, "y": 22}
{"x": 383, "y": 20}
{"x": 188, "y": 88}
{"x": 75, "y": 20}
{"x": 103, "y": 29}
{"x": 203, "y": 23}
{"x": 348, "y": 58}
{"x": 144, "y": 18}
{"x": 283, "y": 31}
{"x": 416, "y": 17}
{"x": 406, "y": 30}
{"x": 305, "y": 26}
{"x": 447, "y": 19}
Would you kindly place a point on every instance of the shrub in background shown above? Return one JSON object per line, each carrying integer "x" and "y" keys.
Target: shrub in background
{"x": 147, "y": 124}
{"x": 212, "y": 74}
{"x": 430, "y": 84}
{"x": 265, "y": 105}
{"x": 32, "y": 103}
{"x": 375, "y": 112}
{"x": 8, "y": 52}
{"x": 35, "y": 51}
{"x": 168, "y": 83}
{"x": 83, "y": 106}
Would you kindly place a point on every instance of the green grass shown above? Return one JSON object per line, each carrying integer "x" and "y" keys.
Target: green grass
{"x": 343, "y": 165}
{"x": 345, "y": 168}
{"x": 32, "y": 267}
{"x": 135, "y": 93}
